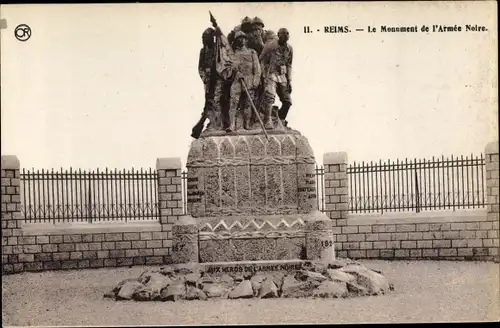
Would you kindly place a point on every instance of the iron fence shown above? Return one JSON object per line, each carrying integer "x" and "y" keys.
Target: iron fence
{"x": 320, "y": 187}
{"x": 184, "y": 191}
{"x": 416, "y": 185}
{"x": 131, "y": 195}
{"x": 89, "y": 196}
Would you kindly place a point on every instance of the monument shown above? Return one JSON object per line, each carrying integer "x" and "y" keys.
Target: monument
{"x": 253, "y": 228}
{"x": 251, "y": 189}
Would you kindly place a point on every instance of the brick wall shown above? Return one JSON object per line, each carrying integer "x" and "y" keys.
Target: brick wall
{"x": 36, "y": 247}
{"x": 459, "y": 235}
{"x": 462, "y": 235}
{"x": 336, "y": 187}
{"x": 169, "y": 192}
{"x": 11, "y": 212}
{"x": 492, "y": 182}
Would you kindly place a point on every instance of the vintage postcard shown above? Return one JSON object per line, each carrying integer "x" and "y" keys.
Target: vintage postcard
{"x": 249, "y": 163}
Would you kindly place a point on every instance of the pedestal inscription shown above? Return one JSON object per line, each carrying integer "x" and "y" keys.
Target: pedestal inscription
{"x": 305, "y": 189}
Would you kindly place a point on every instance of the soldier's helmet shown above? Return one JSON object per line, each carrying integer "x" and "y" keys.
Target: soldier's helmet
{"x": 246, "y": 21}
{"x": 259, "y": 21}
{"x": 269, "y": 35}
{"x": 208, "y": 32}
{"x": 240, "y": 34}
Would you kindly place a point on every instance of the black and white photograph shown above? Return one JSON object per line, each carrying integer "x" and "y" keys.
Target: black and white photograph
{"x": 249, "y": 163}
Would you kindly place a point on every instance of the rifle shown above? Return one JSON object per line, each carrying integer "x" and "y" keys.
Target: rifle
{"x": 198, "y": 128}
{"x": 242, "y": 81}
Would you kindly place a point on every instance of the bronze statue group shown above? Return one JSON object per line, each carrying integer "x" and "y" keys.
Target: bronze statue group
{"x": 242, "y": 74}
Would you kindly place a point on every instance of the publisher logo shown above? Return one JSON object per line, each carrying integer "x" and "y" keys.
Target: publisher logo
{"x": 22, "y": 32}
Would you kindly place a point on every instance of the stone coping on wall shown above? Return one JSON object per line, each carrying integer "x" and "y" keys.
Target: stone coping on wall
{"x": 462, "y": 215}
{"x": 37, "y": 229}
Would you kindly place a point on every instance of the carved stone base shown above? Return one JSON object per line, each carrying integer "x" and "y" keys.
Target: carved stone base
{"x": 320, "y": 243}
{"x": 248, "y": 174}
{"x": 185, "y": 241}
{"x": 254, "y": 197}
{"x": 259, "y": 238}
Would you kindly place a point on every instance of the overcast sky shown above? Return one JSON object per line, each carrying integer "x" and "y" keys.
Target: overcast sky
{"x": 118, "y": 86}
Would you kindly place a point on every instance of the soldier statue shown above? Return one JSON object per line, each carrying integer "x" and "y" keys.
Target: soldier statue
{"x": 242, "y": 74}
{"x": 276, "y": 61}
{"x": 256, "y": 35}
{"x": 245, "y": 26}
{"x": 247, "y": 74}
{"x": 211, "y": 82}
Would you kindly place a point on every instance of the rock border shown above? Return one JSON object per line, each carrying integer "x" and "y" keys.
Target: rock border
{"x": 341, "y": 278}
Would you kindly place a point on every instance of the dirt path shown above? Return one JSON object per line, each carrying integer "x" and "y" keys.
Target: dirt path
{"x": 425, "y": 292}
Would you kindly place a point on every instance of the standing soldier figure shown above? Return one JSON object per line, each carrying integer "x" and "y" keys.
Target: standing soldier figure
{"x": 247, "y": 68}
{"x": 276, "y": 60}
{"x": 257, "y": 42}
{"x": 256, "y": 36}
{"x": 211, "y": 82}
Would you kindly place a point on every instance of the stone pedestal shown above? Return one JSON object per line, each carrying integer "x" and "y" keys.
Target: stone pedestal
{"x": 251, "y": 238}
{"x": 251, "y": 196}
{"x": 238, "y": 175}
{"x": 185, "y": 241}
{"x": 320, "y": 242}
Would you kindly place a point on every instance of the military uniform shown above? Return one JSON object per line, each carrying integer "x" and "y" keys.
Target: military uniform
{"x": 255, "y": 41}
{"x": 256, "y": 36}
{"x": 246, "y": 62}
{"x": 213, "y": 85}
{"x": 276, "y": 61}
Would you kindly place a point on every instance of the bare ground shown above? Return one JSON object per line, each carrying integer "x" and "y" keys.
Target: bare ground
{"x": 425, "y": 291}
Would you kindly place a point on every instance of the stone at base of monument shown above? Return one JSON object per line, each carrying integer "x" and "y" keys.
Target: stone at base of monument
{"x": 320, "y": 244}
{"x": 253, "y": 197}
{"x": 253, "y": 238}
{"x": 185, "y": 240}
{"x": 253, "y": 279}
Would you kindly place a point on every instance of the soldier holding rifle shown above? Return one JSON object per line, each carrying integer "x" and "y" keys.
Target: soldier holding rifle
{"x": 247, "y": 73}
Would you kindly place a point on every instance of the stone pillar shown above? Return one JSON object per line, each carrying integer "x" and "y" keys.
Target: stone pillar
{"x": 185, "y": 241}
{"x": 336, "y": 187}
{"x": 492, "y": 193}
{"x": 320, "y": 241}
{"x": 11, "y": 214}
{"x": 170, "y": 205}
